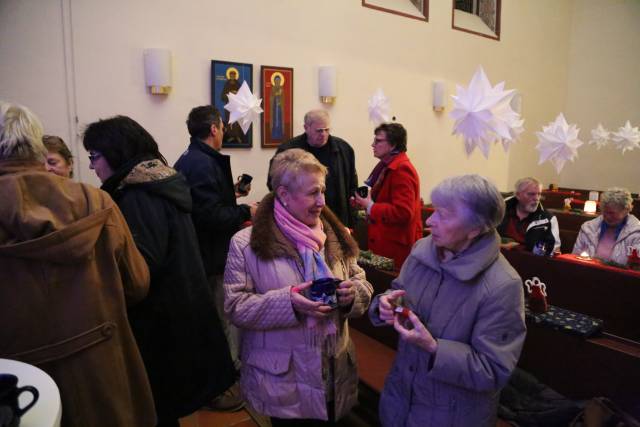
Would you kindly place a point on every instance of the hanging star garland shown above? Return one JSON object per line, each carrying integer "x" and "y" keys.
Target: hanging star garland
{"x": 244, "y": 107}
{"x": 483, "y": 114}
{"x": 558, "y": 142}
{"x": 627, "y": 137}
{"x": 379, "y": 108}
{"x": 599, "y": 136}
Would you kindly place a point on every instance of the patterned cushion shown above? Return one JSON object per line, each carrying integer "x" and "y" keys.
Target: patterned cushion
{"x": 566, "y": 320}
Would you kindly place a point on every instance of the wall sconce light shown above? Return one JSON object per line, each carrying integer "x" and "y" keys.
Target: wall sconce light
{"x": 439, "y": 96}
{"x": 590, "y": 206}
{"x": 327, "y": 84}
{"x": 157, "y": 71}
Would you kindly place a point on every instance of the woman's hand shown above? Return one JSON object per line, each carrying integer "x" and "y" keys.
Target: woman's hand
{"x": 362, "y": 202}
{"x": 419, "y": 335}
{"x": 303, "y": 305}
{"x": 346, "y": 293}
{"x": 387, "y": 303}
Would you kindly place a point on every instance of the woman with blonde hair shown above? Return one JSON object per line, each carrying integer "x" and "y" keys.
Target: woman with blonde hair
{"x": 298, "y": 363}
{"x": 59, "y": 157}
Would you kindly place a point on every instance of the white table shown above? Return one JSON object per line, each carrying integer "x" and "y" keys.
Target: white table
{"x": 48, "y": 409}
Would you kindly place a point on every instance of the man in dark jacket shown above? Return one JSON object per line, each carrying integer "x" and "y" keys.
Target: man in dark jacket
{"x": 216, "y": 215}
{"x": 527, "y": 223}
{"x": 336, "y": 154}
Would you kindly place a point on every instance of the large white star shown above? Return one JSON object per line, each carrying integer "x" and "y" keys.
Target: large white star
{"x": 379, "y": 108}
{"x": 558, "y": 142}
{"x": 483, "y": 114}
{"x": 627, "y": 137}
{"x": 244, "y": 107}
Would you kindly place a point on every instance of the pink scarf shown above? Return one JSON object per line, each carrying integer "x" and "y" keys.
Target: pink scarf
{"x": 309, "y": 242}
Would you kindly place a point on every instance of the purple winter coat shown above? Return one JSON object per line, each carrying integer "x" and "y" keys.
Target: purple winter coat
{"x": 282, "y": 375}
{"x": 473, "y": 304}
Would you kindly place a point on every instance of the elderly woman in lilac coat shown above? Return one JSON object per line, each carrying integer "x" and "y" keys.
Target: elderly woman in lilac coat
{"x": 462, "y": 327}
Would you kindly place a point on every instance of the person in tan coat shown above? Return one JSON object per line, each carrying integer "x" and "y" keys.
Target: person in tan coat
{"x": 298, "y": 363}
{"x": 68, "y": 270}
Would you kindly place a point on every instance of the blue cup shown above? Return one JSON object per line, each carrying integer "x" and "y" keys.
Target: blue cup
{"x": 324, "y": 290}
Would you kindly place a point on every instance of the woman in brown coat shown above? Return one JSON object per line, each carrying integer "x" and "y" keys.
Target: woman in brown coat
{"x": 68, "y": 269}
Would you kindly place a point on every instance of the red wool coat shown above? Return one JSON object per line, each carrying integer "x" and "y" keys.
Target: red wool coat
{"x": 395, "y": 220}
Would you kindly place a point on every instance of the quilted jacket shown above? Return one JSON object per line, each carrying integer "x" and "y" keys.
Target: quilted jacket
{"x": 629, "y": 237}
{"x": 282, "y": 374}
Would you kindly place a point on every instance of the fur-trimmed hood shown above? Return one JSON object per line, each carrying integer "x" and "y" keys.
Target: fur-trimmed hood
{"x": 268, "y": 242}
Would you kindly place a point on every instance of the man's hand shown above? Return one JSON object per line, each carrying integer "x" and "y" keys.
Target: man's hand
{"x": 387, "y": 303}
{"x": 304, "y": 305}
{"x": 419, "y": 335}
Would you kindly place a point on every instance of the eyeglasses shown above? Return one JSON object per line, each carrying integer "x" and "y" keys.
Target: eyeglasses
{"x": 377, "y": 141}
{"x": 93, "y": 157}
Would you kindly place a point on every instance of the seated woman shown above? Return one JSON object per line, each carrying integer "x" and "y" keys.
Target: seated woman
{"x": 394, "y": 209}
{"x": 462, "y": 328}
{"x": 611, "y": 235}
{"x": 68, "y": 270}
{"x": 176, "y": 326}
{"x": 59, "y": 158}
{"x": 297, "y": 359}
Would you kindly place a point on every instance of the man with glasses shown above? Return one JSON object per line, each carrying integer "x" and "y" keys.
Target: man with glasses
{"x": 334, "y": 153}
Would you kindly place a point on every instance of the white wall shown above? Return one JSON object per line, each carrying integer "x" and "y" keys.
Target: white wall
{"x": 371, "y": 49}
{"x": 604, "y": 87}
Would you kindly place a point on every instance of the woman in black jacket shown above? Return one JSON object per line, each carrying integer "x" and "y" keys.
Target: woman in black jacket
{"x": 176, "y": 327}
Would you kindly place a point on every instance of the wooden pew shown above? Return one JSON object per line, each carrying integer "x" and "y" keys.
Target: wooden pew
{"x": 610, "y": 294}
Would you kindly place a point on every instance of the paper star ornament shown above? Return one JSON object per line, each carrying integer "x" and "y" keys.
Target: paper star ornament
{"x": 558, "y": 142}
{"x": 379, "y": 108}
{"x": 483, "y": 114}
{"x": 244, "y": 107}
{"x": 627, "y": 137}
{"x": 599, "y": 136}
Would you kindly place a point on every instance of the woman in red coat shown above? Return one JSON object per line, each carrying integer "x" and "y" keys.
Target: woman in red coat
{"x": 393, "y": 205}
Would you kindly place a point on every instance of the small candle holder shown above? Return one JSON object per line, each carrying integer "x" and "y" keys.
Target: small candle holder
{"x": 584, "y": 256}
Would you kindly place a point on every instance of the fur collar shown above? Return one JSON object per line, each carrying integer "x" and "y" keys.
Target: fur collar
{"x": 268, "y": 242}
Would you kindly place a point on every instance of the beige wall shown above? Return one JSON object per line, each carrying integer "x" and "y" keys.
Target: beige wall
{"x": 604, "y": 87}
{"x": 371, "y": 49}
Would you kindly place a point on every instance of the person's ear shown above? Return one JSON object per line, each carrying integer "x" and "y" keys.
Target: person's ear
{"x": 283, "y": 194}
{"x": 474, "y": 232}
{"x": 213, "y": 130}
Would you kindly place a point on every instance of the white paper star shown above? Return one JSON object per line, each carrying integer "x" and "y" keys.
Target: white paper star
{"x": 627, "y": 137}
{"x": 379, "y": 108}
{"x": 483, "y": 114}
{"x": 558, "y": 142}
{"x": 599, "y": 136}
{"x": 244, "y": 107}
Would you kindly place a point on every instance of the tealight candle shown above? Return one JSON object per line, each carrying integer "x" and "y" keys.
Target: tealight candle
{"x": 584, "y": 255}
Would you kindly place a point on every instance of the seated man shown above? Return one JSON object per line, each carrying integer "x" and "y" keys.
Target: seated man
{"x": 527, "y": 223}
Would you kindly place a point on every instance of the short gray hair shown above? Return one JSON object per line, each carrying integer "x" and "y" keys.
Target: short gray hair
{"x": 525, "y": 182}
{"x": 20, "y": 134}
{"x": 616, "y": 196}
{"x": 481, "y": 199}
{"x": 314, "y": 115}
{"x": 288, "y": 166}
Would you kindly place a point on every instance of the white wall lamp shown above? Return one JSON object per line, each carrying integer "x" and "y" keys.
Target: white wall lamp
{"x": 157, "y": 71}
{"x": 327, "y": 84}
{"x": 439, "y": 97}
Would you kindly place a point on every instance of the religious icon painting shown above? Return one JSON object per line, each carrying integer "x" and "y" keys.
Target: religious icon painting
{"x": 277, "y": 100}
{"x": 227, "y": 77}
